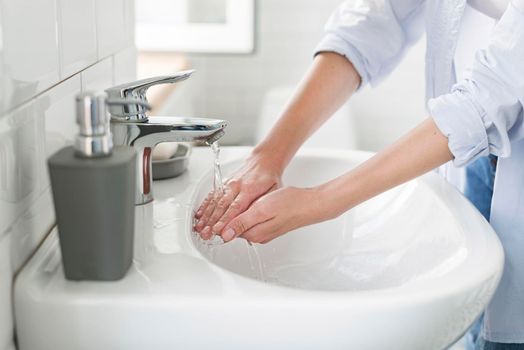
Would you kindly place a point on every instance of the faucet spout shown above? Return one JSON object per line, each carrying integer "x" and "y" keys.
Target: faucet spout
{"x": 164, "y": 129}
{"x": 145, "y": 135}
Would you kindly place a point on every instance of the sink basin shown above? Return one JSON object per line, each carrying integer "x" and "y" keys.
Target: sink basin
{"x": 410, "y": 269}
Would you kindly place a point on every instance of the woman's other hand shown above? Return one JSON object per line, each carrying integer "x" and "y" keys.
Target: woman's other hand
{"x": 279, "y": 212}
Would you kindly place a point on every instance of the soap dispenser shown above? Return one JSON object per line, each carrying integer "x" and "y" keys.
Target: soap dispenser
{"x": 93, "y": 187}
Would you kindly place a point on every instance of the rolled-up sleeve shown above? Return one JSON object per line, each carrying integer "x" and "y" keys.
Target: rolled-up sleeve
{"x": 373, "y": 35}
{"x": 483, "y": 114}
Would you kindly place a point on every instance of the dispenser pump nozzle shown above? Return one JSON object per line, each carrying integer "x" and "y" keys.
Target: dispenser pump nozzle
{"x": 94, "y": 139}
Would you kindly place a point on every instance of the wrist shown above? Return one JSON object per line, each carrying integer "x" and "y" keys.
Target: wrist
{"x": 268, "y": 157}
{"x": 334, "y": 199}
{"x": 324, "y": 204}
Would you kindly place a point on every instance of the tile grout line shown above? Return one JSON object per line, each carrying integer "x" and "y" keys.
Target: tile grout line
{"x": 43, "y": 92}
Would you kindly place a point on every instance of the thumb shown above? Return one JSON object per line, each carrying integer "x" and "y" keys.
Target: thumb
{"x": 242, "y": 223}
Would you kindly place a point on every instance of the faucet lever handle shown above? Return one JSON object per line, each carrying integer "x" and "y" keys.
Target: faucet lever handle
{"x": 128, "y": 102}
{"x": 137, "y": 90}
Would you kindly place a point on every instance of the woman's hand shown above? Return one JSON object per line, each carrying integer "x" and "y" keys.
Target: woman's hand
{"x": 256, "y": 178}
{"x": 277, "y": 213}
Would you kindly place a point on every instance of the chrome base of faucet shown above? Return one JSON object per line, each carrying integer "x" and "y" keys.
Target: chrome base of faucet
{"x": 145, "y": 135}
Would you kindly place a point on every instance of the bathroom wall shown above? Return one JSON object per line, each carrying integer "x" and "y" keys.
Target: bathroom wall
{"x": 233, "y": 87}
{"x": 49, "y": 51}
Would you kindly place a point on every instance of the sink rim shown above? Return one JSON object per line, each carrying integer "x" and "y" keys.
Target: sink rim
{"x": 491, "y": 255}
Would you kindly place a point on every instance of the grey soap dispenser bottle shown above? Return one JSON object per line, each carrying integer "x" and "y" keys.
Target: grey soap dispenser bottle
{"x": 93, "y": 188}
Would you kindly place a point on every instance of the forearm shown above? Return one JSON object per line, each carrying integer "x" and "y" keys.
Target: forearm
{"x": 420, "y": 151}
{"x": 327, "y": 86}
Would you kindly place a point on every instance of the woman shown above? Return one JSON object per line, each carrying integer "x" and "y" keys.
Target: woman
{"x": 481, "y": 115}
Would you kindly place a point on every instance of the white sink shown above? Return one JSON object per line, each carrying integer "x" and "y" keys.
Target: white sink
{"x": 411, "y": 269}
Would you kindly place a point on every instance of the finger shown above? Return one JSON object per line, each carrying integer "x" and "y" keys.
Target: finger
{"x": 223, "y": 204}
{"x": 243, "y": 201}
{"x": 203, "y": 206}
{"x": 208, "y": 211}
{"x": 243, "y": 223}
{"x": 206, "y": 233}
{"x": 237, "y": 207}
{"x": 261, "y": 233}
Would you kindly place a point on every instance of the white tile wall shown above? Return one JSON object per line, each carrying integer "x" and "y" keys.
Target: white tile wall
{"x": 49, "y": 51}
{"x": 124, "y": 66}
{"x": 111, "y": 26}
{"x": 77, "y": 35}
{"x": 99, "y": 76}
{"x": 129, "y": 8}
{"x": 30, "y": 66}
{"x": 6, "y": 318}
{"x": 58, "y": 106}
{"x": 28, "y": 231}
{"x": 19, "y": 179}
{"x": 4, "y": 83}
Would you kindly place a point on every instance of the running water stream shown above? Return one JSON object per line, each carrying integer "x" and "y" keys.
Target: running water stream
{"x": 256, "y": 263}
{"x": 211, "y": 246}
{"x": 218, "y": 184}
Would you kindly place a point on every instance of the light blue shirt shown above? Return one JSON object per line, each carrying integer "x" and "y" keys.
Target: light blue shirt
{"x": 481, "y": 114}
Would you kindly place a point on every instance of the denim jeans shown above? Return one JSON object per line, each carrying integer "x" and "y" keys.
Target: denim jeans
{"x": 480, "y": 176}
{"x": 482, "y": 344}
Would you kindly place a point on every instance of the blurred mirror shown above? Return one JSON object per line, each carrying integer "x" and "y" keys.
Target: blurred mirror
{"x": 207, "y": 11}
{"x": 199, "y": 26}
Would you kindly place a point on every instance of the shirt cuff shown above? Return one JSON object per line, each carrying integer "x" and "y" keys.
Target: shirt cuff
{"x": 461, "y": 122}
{"x": 334, "y": 43}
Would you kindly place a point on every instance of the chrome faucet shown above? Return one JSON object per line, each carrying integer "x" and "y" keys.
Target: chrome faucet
{"x": 130, "y": 126}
